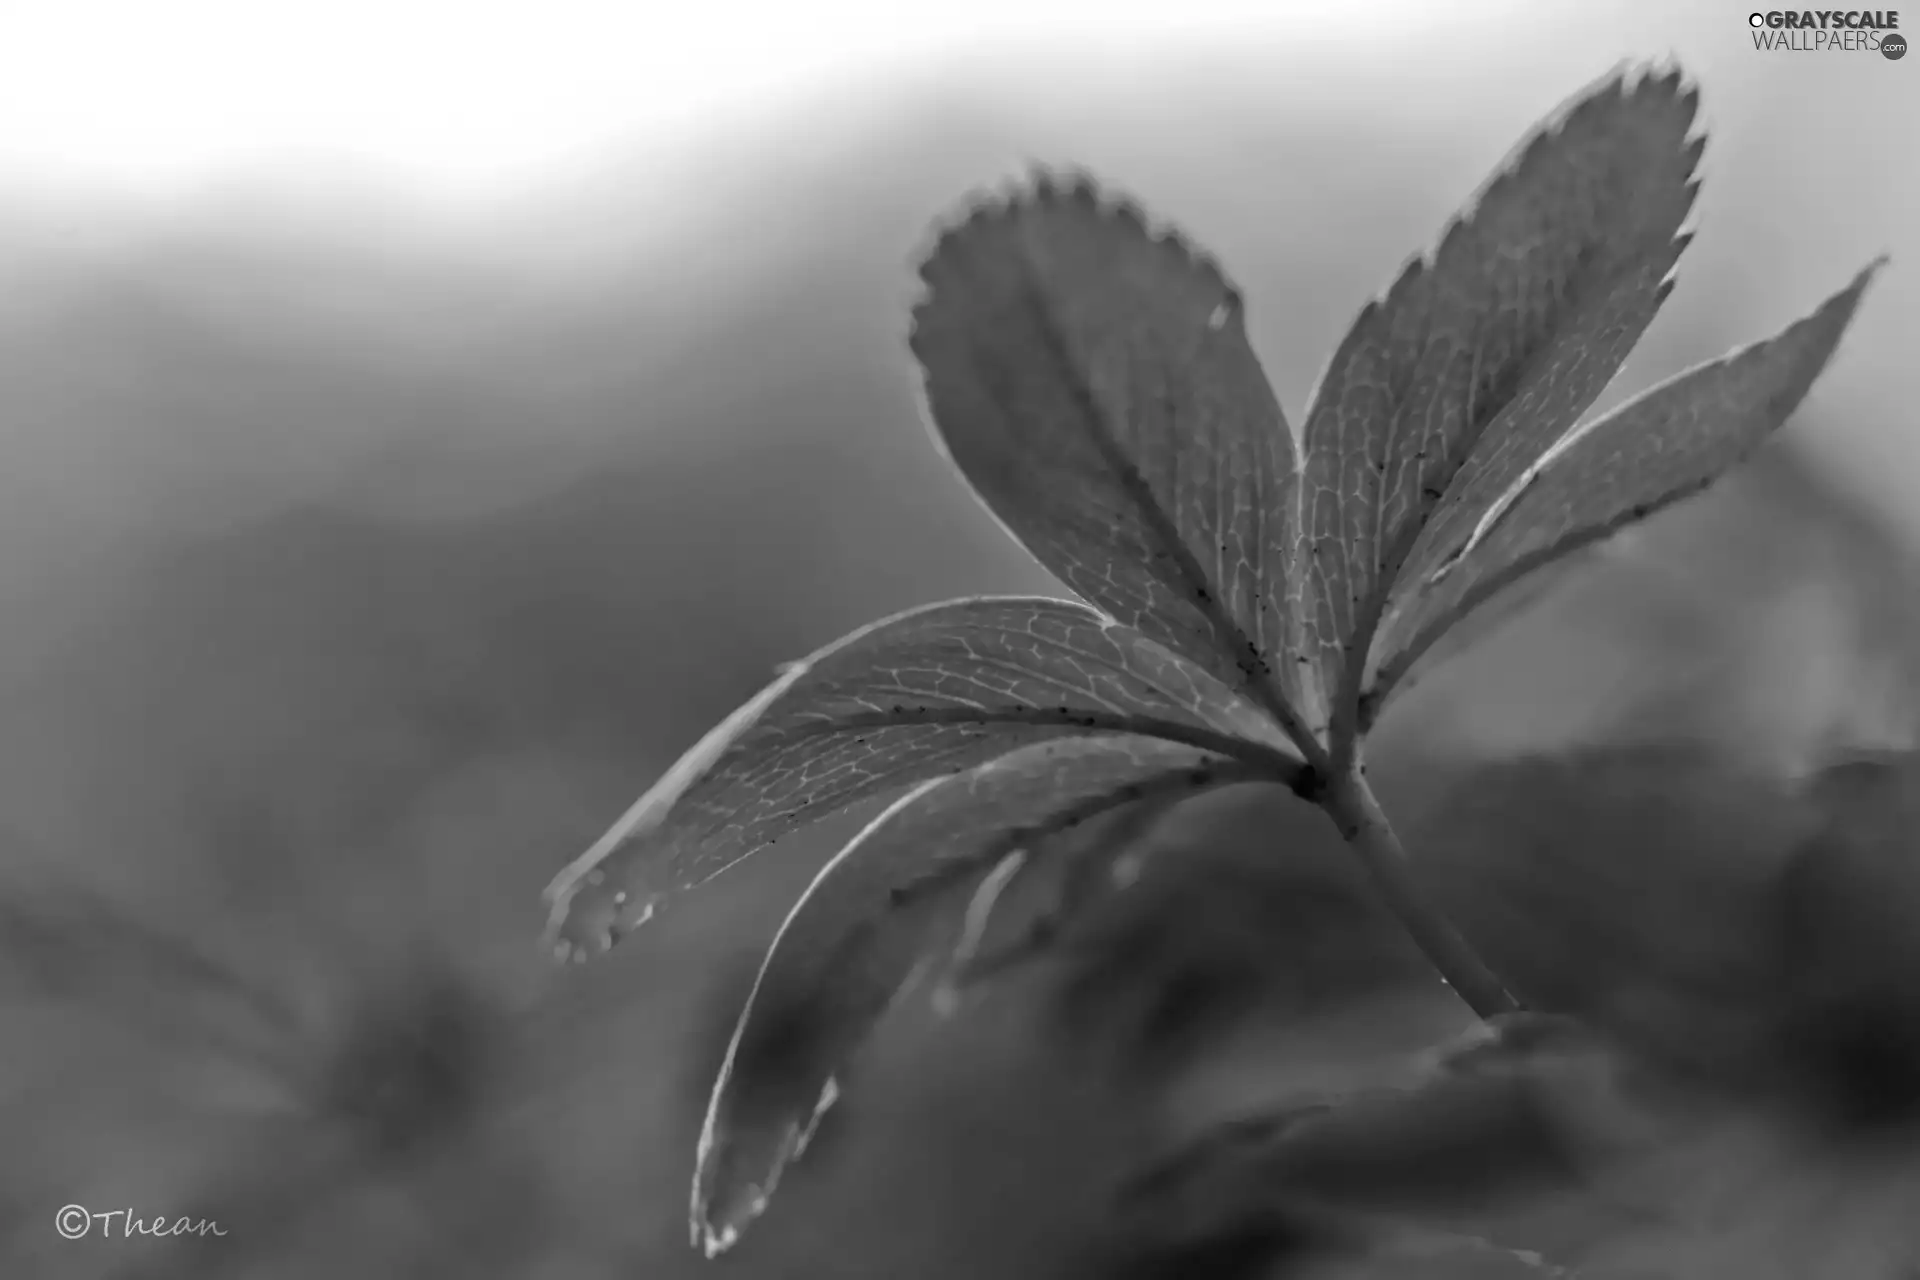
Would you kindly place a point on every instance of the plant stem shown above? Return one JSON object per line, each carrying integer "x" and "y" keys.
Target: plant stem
{"x": 1350, "y": 802}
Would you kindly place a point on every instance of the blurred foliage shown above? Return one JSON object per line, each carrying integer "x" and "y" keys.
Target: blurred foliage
{"x": 349, "y": 594}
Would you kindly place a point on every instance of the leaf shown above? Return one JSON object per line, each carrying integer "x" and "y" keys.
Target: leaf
{"x": 1093, "y": 382}
{"x": 1479, "y": 358}
{"x": 1474, "y": 1144}
{"x": 931, "y": 691}
{"x": 1847, "y": 896}
{"x": 1519, "y": 597}
{"x": 1104, "y": 856}
{"x": 854, "y": 939}
{"x": 1656, "y": 449}
{"x": 65, "y": 942}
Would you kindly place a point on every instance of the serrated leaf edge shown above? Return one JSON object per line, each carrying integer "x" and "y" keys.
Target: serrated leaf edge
{"x": 1624, "y": 79}
{"x": 1046, "y": 187}
{"x": 1389, "y": 680}
{"x": 1052, "y": 185}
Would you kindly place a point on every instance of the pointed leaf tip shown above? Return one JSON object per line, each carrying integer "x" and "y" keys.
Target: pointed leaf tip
{"x": 1480, "y": 355}
{"x": 1091, "y": 378}
{"x": 1657, "y": 449}
{"x": 920, "y": 877}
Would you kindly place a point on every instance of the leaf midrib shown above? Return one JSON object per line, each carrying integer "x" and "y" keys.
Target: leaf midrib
{"x": 1599, "y": 281}
{"x": 1201, "y": 594}
{"x": 1284, "y": 768}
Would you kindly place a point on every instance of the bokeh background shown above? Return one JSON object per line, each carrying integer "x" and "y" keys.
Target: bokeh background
{"x": 396, "y": 477}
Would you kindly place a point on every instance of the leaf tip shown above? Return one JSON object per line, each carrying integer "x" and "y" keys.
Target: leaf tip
{"x": 586, "y": 916}
{"x": 723, "y": 1207}
{"x": 1841, "y": 306}
{"x": 1663, "y": 72}
{"x": 1662, "y": 76}
{"x": 712, "y": 1243}
{"x": 713, "y": 1236}
{"x": 1001, "y": 232}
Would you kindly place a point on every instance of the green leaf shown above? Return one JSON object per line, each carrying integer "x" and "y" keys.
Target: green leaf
{"x": 1093, "y": 381}
{"x": 1658, "y": 448}
{"x": 928, "y": 692}
{"x": 854, "y": 939}
{"x": 1479, "y": 358}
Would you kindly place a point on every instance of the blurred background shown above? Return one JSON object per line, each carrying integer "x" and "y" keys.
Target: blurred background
{"x": 421, "y": 422}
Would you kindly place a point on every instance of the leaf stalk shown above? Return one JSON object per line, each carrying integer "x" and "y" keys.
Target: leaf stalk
{"x": 1363, "y": 824}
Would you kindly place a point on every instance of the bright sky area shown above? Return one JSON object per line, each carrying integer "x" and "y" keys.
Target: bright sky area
{"x": 468, "y": 96}
{"x": 460, "y": 104}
